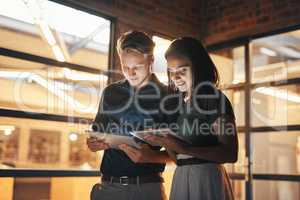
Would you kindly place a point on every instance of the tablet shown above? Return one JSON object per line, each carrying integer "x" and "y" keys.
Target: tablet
{"x": 158, "y": 132}
{"x": 114, "y": 140}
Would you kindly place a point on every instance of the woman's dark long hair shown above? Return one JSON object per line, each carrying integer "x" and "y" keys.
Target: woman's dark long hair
{"x": 203, "y": 68}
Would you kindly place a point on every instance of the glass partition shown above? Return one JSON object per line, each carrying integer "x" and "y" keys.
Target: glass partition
{"x": 50, "y": 30}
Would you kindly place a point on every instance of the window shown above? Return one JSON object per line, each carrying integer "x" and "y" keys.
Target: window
{"x": 60, "y": 75}
{"x": 276, "y": 152}
{"x": 47, "y": 29}
{"x": 279, "y": 190}
{"x": 42, "y": 144}
{"x": 55, "y": 90}
{"x": 276, "y": 57}
{"x": 273, "y": 105}
{"x": 230, "y": 64}
{"x": 160, "y": 63}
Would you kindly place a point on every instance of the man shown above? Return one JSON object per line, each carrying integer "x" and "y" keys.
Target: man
{"x": 131, "y": 104}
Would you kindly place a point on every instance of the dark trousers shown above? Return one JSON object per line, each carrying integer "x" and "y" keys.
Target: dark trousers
{"x": 116, "y": 191}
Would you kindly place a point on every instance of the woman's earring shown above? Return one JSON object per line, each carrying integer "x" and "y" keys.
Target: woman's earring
{"x": 175, "y": 88}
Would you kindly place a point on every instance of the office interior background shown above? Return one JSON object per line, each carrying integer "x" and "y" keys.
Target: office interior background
{"x": 57, "y": 56}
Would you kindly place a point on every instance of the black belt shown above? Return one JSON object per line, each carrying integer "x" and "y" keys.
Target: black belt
{"x": 126, "y": 180}
{"x": 192, "y": 161}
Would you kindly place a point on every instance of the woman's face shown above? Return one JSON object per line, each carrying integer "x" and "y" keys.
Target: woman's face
{"x": 180, "y": 71}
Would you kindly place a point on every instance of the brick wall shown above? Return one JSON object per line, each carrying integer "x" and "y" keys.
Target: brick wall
{"x": 170, "y": 18}
{"x": 212, "y": 21}
{"x": 229, "y": 19}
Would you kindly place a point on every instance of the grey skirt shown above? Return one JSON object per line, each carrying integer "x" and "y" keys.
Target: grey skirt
{"x": 201, "y": 182}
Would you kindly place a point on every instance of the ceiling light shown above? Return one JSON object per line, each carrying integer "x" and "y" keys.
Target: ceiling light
{"x": 8, "y": 129}
{"x": 73, "y": 137}
{"x": 77, "y": 76}
{"x": 281, "y": 94}
{"x": 268, "y": 51}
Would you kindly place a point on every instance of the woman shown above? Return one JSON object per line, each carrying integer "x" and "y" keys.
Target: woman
{"x": 206, "y": 120}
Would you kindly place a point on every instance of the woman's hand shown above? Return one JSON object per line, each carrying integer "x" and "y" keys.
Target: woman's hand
{"x": 166, "y": 141}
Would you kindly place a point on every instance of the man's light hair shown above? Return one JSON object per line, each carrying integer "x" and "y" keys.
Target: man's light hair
{"x": 136, "y": 41}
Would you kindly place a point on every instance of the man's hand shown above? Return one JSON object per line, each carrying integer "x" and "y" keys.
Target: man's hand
{"x": 143, "y": 155}
{"x": 166, "y": 141}
{"x": 95, "y": 144}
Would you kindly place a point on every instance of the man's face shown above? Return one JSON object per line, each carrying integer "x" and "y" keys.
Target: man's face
{"x": 135, "y": 66}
